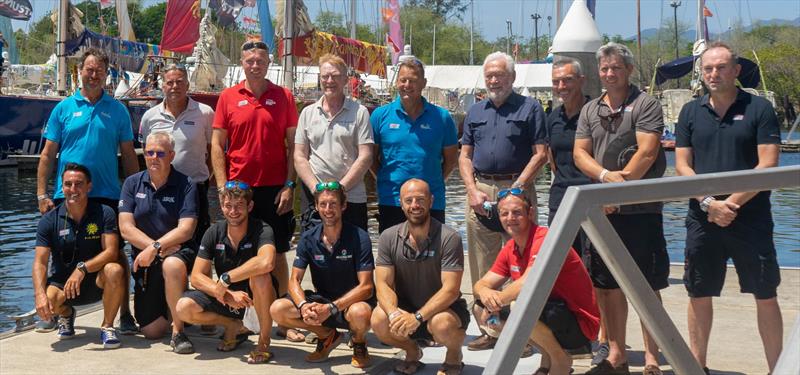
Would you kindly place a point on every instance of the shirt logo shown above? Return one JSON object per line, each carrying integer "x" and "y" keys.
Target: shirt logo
{"x": 220, "y": 246}
{"x": 242, "y": 102}
{"x": 319, "y": 257}
{"x": 91, "y": 229}
{"x": 514, "y": 268}
{"x": 394, "y": 126}
{"x": 628, "y": 109}
{"x": 140, "y": 196}
{"x": 63, "y": 233}
{"x": 191, "y": 123}
{"x": 247, "y": 246}
{"x": 77, "y": 114}
{"x": 121, "y": 203}
{"x": 738, "y": 117}
{"x": 425, "y": 126}
{"x": 269, "y": 102}
{"x": 202, "y": 247}
{"x": 168, "y": 199}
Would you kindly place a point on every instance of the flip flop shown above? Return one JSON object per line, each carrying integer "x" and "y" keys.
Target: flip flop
{"x": 232, "y": 344}
{"x": 450, "y": 369}
{"x": 408, "y": 368}
{"x": 258, "y": 357}
{"x": 296, "y": 337}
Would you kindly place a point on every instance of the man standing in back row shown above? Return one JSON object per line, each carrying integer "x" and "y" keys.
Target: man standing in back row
{"x": 729, "y": 130}
{"x": 503, "y": 146}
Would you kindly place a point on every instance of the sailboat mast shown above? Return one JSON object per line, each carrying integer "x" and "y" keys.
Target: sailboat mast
{"x": 288, "y": 34}
{"x": 61, "y": 47}
{"x": 352, "y": 19}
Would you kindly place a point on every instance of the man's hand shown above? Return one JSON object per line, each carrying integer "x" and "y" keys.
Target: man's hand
{"x": 220, "y": 292}
{"x": 404, "y": 325}
{"x": 321, "y": 312}
{"x": 145, "y": 258}
{"x": 237, "y": 299}
{"x": 284, "y": 200}
{"x": 43, "y": 307}
{"x": 309, "y": 314}
{"x": 476, "y": 199}
{"x": 45, "y": 205}
{"x": 491, "y": 299}
{"x": 72, "y": 288}
{"x": 163, "y": 253}
{"x": 722, "y": 213}
{"x": 615, "y": 176}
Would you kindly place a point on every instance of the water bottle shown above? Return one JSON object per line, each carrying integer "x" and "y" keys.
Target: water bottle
{"x": 487, "y": 206}
{"x": 493, "y": 320}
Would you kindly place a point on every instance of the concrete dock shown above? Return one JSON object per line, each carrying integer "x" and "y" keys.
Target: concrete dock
{"x": 735, "y": 346}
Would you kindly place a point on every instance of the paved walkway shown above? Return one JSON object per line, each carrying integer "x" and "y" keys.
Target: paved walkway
{"x": 735, "y": 346}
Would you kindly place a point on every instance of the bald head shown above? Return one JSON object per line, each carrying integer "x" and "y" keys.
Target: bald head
{"x": 416, "y": 201}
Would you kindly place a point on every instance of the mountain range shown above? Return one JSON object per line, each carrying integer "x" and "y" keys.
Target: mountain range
{"x": 689, "y": 34}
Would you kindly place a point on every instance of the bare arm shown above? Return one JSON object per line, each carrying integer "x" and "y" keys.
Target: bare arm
{"x": 684, "y": 164}
{"x": 451, "y": 289}
{"x": 295, "y": 287}
{"x": 361, "y": 292}
{"x": 449, "y": 160}
{"x": 46, "y": 162}
{"x": 180, "y": 234}
{"x": 284, "y": 200}
{"x": 487, "y": 290}
{"x": 218, "y": 139}
{"x": 384, "y": 289}
{"x": 110, "y": 253}
{"x": 261, "y": 264}
{"x": 767, "y": 158}
{"x": 130, "y": 163}
{"x": 649, "y": 145}
{"x": 582, "y": 153}
{"x": 39, "y": 275}
{"x": 359, "y": 168}
{"x": 475, "y": 197}
{"x": 303, "y": 166}
{"x": 211, "y": 179}
{"x": 201, "y": 276}
{"x": 534, "y": 165}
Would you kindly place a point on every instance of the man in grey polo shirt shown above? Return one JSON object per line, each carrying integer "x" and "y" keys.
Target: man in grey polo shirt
{"x": 503, "y": 146}
{"x": 189, "y": 122}
{"x": 624, "y": 123}
{"x": 334, "y": 143}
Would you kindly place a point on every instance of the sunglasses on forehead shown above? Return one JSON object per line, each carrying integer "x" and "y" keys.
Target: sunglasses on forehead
{"x": 513, "y": 191}
{"x": 330, "y": 185}
{"x": 158, "y": 154}
{"x": 236, "y": 185}
{"x": 251, "y": 45}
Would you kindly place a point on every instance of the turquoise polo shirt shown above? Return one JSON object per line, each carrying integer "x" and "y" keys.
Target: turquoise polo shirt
{"x": 89, "y": 134}
{"x": 411, "y": 149}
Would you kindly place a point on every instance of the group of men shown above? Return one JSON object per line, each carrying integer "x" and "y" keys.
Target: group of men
{"x": 254, "y": 145}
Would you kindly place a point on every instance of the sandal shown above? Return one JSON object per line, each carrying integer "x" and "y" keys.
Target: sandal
{"x": 651, "y": 370}
{"x": 407, "y": 367}
{"x": 450, "y": 369}
{"x": 290, "y": 334}
{"x": 232, "y": 344}
{"x": 258, "y": 357}
{"x": 541, "y": 370}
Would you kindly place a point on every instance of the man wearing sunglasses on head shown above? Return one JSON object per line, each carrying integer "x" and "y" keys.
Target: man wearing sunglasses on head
{"x": 570, "y": 319}
{"x": 334, "y": 142}
{"x": 157, "y": 215}
{"x": 257, "y": 119}
{"x": 340, "y": 257}
{"x": 242, "y": 250}
{"x": 624, "y": 123}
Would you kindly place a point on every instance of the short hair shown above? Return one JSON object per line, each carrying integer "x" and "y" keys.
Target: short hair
{"x": 414, "y": 64}
{"x": 617, "y": 49}
{"x": 576, "y": 65}
{"x": 522, "y": 196}
{"x": 236, "y": 192}
{"x": 720, "y": 44}
{"x": 97, "y": 53}
{"x": 77, "y": 168}
{"x": 494, "y": 56}
{"x": 161, "y": 136}
{"x": 338, "y": 192}
{"x": 334, "y": 60}
{"x": 170, "y": 67}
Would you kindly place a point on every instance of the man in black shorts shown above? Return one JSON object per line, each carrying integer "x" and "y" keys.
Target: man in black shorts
{"x": 728, "y": 130}
{"x": 418, "y": 283}
{"x": 340, "y": 257}
{"x": 242, "y": 251}
{"x": 82, "y": 237}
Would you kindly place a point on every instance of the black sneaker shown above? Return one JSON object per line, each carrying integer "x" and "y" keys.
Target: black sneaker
{"x": 127, "y": 325}
{"x": 606, "y": 368}
{"x": 601, "y": 354}
{"x": 180, "y": 344}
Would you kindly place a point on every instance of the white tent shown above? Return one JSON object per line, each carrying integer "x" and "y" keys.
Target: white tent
{"x": 534, "y": 77}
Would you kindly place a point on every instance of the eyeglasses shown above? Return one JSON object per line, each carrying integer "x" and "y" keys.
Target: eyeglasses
{"x": 158, "y": 154}
{"x": 236, "y": 185}
{"x": 251, "y": 45}
{"x": 513, "y": 191}
{"x": 330, "y": 76}
{"x": 330, "y": 185}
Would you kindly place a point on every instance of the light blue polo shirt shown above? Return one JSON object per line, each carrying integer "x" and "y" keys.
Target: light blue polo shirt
{"x": 411, "y": 149}
{"x": 89, "y": 134}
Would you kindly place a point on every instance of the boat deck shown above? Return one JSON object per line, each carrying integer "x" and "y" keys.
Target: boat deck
{"x": 735, "y": 346}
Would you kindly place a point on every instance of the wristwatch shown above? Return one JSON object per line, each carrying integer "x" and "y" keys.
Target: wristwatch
{"x": 41, "y": 197}
{"x": 82, "y": 266}
{"x": 225, "y": 279}
{"x": 157, "y": 246}
{"x": 706, "y": 202}
{"x": 419, "y": 317}
{"x": 290, "y": 184}
{"x": 334, "y": 309}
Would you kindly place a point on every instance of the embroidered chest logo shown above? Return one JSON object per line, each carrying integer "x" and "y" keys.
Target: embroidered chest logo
{"x": 344, "y": 255}
{"x": 738, "y": 118}
{"x": 425, "y": 126}
{"x": 77, "y": 114}
{"x": 247, "y": 245}
{"x": 220, "y": 247}
{"x": 91, "y": 229}
{"x": 514, "y": 268}
{"x": 269, "y": 102}
{"x": 190, "y": 123}
{"x": 168, "y": 199}
{"x": 394, "y": 126}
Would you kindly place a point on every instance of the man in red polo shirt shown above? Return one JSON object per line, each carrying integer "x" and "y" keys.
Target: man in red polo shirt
{"x": 570, "y": 320}
{"x": 257, "y": 121}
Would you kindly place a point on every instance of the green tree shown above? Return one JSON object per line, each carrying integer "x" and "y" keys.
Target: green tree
{"x": 442, "y": 9}
{"x": 148, "y": 22}
{"x": 36, "y": 46}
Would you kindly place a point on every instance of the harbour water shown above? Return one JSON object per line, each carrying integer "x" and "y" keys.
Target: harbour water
{"x": 19, "y": 216}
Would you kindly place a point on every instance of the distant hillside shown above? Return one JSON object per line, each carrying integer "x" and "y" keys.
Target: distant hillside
{"x": 689, "y": 34}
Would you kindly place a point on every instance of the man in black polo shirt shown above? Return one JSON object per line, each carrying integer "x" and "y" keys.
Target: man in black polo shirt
{"x": 157, "y": 215}
{"x": 242, "y": 250}
{"x": 340, "y": 257}
{"x": 82, "y": 238}
{"x": 728, "y": 130}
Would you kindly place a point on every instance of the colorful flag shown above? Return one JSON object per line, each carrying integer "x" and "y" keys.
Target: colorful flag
{"x": 706, "y": 13}
{"x": 16, "y": 9}
{"x": 106, "y": 4}
{"x": 181, "y": 26}
{"x": 227, "y": 10}
{"x": 265, "y": 19}
{"x": 591, "y": 5}
{"x": 124, "y": 22}
{"x": 395, "y": 31}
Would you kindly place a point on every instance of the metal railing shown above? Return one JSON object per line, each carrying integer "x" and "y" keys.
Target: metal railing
{"x": 583, "y": 206}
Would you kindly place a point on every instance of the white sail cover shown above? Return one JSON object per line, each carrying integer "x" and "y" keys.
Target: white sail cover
{"x": 124, "y": 21}
{"x": 578, "y": 32}
{"x": 211, "y": 63}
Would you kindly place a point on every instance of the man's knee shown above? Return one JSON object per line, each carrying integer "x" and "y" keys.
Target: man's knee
{"x": 111, "y": 276}
{"x": 379, "y": 322}
{"x": 358, "y": 314}
{"x": 174, "y": 269}
{"x": 280, "y": 310}
{"x": 156, "y": 329}
{"x": 262, "y": 285}
{"x": 444, "y": 323}
{"x": 186, "y": 308}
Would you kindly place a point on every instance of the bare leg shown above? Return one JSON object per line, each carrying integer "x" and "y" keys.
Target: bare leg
{"x": 111, "y": 280}
{"x": 263, "y": 296}
{"x": 380, "y": 326}
{"x": 650, "y": 345}
{"x": 446, "y": 330}
{"x": 614, "y": 307}
{"x": 189, "y": 311}
{"x": 700, "y": 319}
{"x": 553, "y": 355}
{"x": 286, "y": 315}
{"x": 358, "y": 316}
{"x": 770, "y": 326}
{"x": 175, "y": 280}
{"x": 156, "y": 329}
{"x": 125, "y": 307}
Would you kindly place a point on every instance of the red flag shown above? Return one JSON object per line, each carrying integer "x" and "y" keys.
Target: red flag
{"x": 707, "y": 12}
{"x": 394, "y": 45}
{"x": 181, "y": 26}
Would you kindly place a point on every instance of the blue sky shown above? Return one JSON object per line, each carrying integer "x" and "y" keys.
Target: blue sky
{"x": 613, "y": 16}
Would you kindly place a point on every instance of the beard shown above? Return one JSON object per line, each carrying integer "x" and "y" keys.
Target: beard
{"x": 499, "y": 96}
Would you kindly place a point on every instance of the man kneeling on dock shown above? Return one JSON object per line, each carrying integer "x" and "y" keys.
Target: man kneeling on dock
{"x": 242, "y": 250}
{"x": 82, "y": 237}
{"x": 340, "y": 257}
{"x": 570, "y": 319}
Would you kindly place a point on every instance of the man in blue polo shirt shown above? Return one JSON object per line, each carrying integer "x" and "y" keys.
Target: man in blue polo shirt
{"x": 729, "y": 130}
{"x": 340, "y": 257}
{"x": 414, "y": 139}
{"x": 82, "y": 237}
{"x": 157, "y": 215}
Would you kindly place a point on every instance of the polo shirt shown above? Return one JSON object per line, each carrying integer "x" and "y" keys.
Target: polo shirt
{"x": 71, "y": 242}
{"x": 216, "y": 247}
{"x": 191, "y": 131}
{"x": 730, "y": 142}
{"x": 334, "y": 273}
{"x": 561, "y": 138}
{"x": 573, "y": 285}
{"x": 639, "y": 113}
{"x": 411, "y": 149}
{"x": 333, "y": 142}
{"x": 418, "y": 275}
{"x": 157, "y": 212}
{"x": 90, "y": 134}
{"x": 256, "y": 129}
{"x": 503, "y": 137}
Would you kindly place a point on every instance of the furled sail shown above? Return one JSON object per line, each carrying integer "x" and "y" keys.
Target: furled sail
{"x": 211, "y": 63}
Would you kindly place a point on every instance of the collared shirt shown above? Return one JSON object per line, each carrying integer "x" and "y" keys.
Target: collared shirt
{"x": 335, "y": 272}
{"x": 191, "y": 131}
{"x": 333, "y": 142}
{"x": 90, "y": 134}
{"x": 71, "y": 242}
{"x": 730, "y": 142}
{"x": 256, "y": 129}
{"x": 573, "y": 285}
{"x": 411, "y": 149}
{"x": 157, "y": 212}
{"x": 418, "y": 274}
{"x": 561, "y": 139}
{"x": 216, "y": 247}
{"x": 503, "y": 137}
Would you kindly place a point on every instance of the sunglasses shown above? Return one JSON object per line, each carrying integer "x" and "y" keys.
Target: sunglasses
{"x": 236, "y": 185}
{"x": 609, "y": 118}
{"x": 505, "y": 192}
{"x": 251, "y": 45}
{"x": 158, "y": 154}
{"x": 330, "y": 185}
